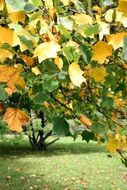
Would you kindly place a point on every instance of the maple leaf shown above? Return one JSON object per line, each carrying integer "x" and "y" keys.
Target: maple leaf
{"x": 75, "y": 74}
{"x": 98, "y": 73}
{"x": 101, "y": 50}
{"x": 6, "y": 36}
{"x": 116, "y": 40}
{"x": 16, "y": 17}
{"x": 16, "y": 119}
{"x": 46, "y": 50}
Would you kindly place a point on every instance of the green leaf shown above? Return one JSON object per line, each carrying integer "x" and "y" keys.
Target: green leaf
{"x": 124, "y": 53}
{"x": 29, "y": 7}
{"x": 76, "y": 56}
{"x": 16, "y": 5}
{"x": 64, "y": 31}
{"x": 86, "y": 53}
{"x": 107, "y": 103}
{"x": 120, "y": 87}
{"x": 37, "y": 2}
{"x": 106, "y": 2}
{"x": 60, "y": 126}
{"x": 87, "y": 136}
{"x": 98, "y": 128}
{"x": 3, "y": 94}
{"x": 51, "y": 85}
{"x": 68, "y": 53}
{"x": 26, "y": 42}
{"x": 39, "y": 98}
{"x": 92, "y": 29}
{"x": 36, "y": 15}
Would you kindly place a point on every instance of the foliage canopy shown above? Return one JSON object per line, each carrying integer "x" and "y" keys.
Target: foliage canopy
{"x": 66, "y": 58}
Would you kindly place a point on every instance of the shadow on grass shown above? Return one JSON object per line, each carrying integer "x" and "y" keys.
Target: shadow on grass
{"x": 59, "y": 148}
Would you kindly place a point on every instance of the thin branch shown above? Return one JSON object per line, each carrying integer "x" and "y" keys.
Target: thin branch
{"x": 52, "y": 142}
{"x": 98, "y": 107}
{"x": 62, "y": 104}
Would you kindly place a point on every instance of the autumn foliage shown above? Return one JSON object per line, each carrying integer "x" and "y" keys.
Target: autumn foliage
{"x": 67, "y": 59}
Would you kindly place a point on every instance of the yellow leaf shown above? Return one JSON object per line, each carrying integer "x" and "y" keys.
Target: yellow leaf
{"x": 66, "y": 2}
{"x": 46, "y": 50}
{"x": 50, "y": 37}
{"x": 75, "y": 74}
{"x": 59, "y": 62}
{"x": 46, "y": 104}
{"x": 113, "y": 145}
{"x": 20, "y": 82}
{"x": 36, "y": 71}
{"x": 120, "y": 103}
{"x": 1, "y": 5}
{"x": 6, "y": 36}
{"x": 28, "y": 60}
{"x": 19, "y": 67}
{"x": 109, "y": 15}
{"x": 9, "y": 91}
{"x": 49, "y": 4}
{"x": 6, "y": 73}
{"x": 116, "y": 40}
{"x": 105, "y": 29}
{"x": 119, "y": 17}
{"x": 82, "y": 19}
{"x": 14, "y": 80}
{"x": 101, "y": 50}
{"x": 17, "y": 41}
{"x": 72, "y": 43}
{"x": 16, "y": 17}
{"x": 11, "y": 76}
{"x": 98, "y": 73}
{"x": 122, "y": 7}
{"x": 16, "y": 119}
{"x": 5, "y": 54}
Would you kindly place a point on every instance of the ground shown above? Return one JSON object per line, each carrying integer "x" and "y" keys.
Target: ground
{"x": 66, "y": 165}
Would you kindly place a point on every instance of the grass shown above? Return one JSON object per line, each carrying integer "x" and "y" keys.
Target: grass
{"x": 66, "y": 165}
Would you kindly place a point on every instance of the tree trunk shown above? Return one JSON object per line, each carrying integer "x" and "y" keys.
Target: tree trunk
{"x": 37, "y": 138}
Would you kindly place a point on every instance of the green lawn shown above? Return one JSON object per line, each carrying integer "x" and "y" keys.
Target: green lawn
{"x": 67, "y": 165}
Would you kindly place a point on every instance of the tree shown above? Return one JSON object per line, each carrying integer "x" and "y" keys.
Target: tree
{"x": 67, "y": 60}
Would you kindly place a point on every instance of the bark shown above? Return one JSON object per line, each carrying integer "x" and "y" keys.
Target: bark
{"x": 38, "y": 138}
